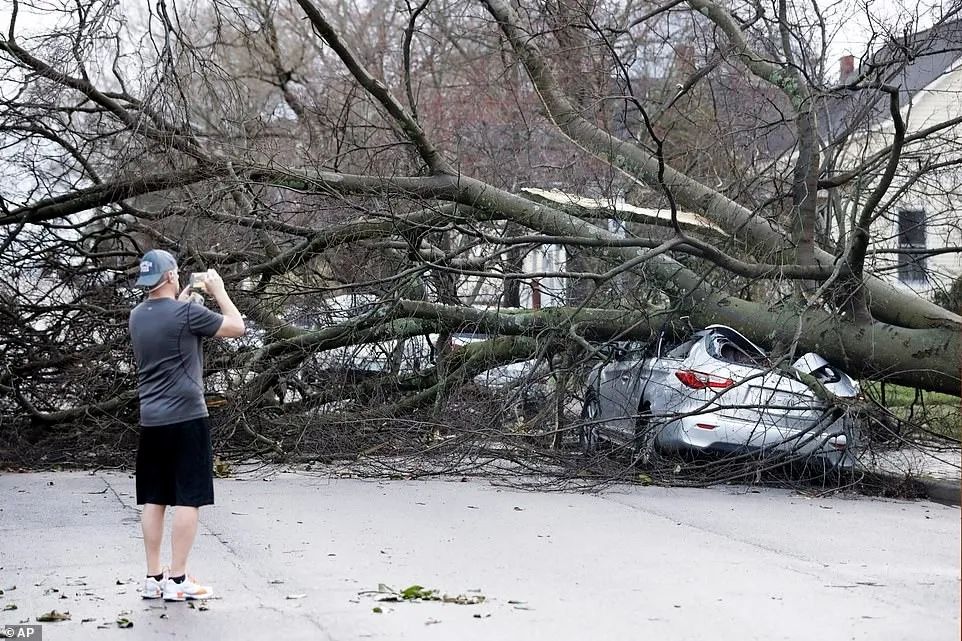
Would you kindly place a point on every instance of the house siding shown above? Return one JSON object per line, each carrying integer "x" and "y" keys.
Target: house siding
{"x": 938, "y": 195}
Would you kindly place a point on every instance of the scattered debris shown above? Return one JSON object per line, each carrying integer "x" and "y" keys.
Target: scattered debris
{"x": 124, "y": 622}
{"x": 53, "y": 616}
{"x": 296, "y": 596}
{"x": 416, "y": 592}
{"x": 9, "y": 606}
{"x": 221, "y": 468}
{"x": 377, "y": 610}
{"x": 462, "y": 599}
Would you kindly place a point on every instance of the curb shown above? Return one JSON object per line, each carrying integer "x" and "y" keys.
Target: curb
{"x": 941, "y": 491}
{"x": 895, "y": 485}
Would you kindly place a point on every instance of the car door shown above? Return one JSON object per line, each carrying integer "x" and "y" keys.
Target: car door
{"x": 609, "y": 395}
{"x": 620, "y": 381}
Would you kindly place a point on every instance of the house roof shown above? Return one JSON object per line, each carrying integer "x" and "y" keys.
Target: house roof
{"x": 761, "y": 116}
{"x": 911, "y": 62}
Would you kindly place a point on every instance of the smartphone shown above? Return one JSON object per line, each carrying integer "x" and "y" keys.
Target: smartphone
{"x": 198, "y": 281}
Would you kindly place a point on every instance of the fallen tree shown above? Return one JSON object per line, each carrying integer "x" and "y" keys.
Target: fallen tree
{"x": 395, "y": 202}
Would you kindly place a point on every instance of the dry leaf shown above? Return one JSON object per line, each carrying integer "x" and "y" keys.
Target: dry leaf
{"x": 53, "y": 616}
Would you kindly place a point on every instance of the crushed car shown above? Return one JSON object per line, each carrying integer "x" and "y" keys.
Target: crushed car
{"x": 716, "y": 392}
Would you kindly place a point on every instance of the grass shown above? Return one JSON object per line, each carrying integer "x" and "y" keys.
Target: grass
{"x": 901, "y": 396}
{"x": 940, "y": 419}
{"x": 925, "y": 412}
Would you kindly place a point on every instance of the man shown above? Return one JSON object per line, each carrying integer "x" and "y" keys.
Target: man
{"x": 174, "y": 456}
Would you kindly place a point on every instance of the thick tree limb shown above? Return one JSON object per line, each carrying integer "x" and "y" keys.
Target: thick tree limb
{"x": 105, "y": 194}
{"x": 938, "y": 345}
{"x": 887, "y": 303}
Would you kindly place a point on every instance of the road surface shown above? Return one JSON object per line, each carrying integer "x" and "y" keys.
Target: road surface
{"x": 301, "y": 556}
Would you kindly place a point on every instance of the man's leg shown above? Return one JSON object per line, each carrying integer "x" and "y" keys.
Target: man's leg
{"x": 152, "y": 524}
{"x": 182, "y": 538}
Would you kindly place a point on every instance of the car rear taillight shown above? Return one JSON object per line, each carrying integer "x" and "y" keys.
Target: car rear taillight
{"x": 701, "y": 380}
{"x": 706, "y": 426}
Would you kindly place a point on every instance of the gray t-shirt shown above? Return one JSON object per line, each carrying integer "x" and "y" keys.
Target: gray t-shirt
{"x": 166, "y": 337}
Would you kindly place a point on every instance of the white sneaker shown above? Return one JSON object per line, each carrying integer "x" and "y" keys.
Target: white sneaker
{"x": 189, "y": 589}
{"x": 153, "y": 589}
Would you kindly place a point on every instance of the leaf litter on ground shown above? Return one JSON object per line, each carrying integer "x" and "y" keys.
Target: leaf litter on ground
{"x": 415, "y": 593}
{"x": 53, "y": 616}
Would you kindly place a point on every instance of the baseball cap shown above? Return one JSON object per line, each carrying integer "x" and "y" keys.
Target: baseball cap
{"x": 153, "y": 266}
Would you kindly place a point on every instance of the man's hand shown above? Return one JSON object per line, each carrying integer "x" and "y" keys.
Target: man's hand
{"x": 233, "y": 325}
{"x": 184, "y": 295}
{"x": 214, "y": 283}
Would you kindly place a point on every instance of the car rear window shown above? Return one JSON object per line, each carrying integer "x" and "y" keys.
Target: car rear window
{"x": 739, "y": 353}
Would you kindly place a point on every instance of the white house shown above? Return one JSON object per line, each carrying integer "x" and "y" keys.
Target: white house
{"x": 545, "y": 283}
{"x": 917, "y": 230}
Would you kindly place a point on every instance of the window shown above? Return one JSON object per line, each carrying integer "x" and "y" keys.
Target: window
{"x": 682, "y": 350}
{"x": 911, "y": 266}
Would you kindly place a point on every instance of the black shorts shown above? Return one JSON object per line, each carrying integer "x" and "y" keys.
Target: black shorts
{"x": 175, "y": 464}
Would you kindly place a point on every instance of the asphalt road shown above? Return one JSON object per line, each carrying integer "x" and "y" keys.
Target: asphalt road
{"x": 295, "y": 556}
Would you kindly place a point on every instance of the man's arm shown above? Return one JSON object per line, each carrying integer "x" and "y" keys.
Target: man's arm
{"x": 233, "y": 325}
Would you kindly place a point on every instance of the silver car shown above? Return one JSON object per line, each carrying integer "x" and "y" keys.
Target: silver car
{"x": 717, "y": 392}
